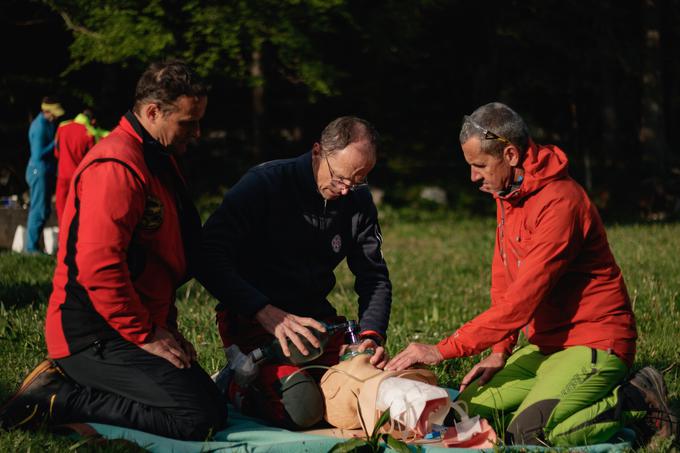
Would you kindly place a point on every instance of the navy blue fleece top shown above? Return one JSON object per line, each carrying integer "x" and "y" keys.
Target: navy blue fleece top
{"x": 274, "y": 240}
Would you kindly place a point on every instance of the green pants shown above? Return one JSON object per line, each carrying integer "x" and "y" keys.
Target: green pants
{"x": 567, "y": 398}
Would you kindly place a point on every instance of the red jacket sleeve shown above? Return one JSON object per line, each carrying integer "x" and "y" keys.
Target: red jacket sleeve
{"x": 112, "y": 201}
{"x": 556, "y": 240}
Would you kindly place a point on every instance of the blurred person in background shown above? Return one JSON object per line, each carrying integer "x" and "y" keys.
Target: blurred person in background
{"x": 74, "y": 138}
{"x": 41, "y": 170}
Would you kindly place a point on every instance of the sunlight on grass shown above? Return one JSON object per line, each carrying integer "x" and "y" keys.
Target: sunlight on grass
{"x": 440, "y": 272}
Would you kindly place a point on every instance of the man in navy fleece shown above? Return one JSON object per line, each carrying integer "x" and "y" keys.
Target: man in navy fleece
{"x": 268, "y": 256}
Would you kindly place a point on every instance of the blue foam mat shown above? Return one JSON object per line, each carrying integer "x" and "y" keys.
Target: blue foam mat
{"x": 250, "y": 435}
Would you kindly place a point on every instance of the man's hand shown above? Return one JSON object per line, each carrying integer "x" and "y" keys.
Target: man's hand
{"x": 485, "y": 370}
{"x": 186, "y": 345}
{"x": 164, "y": 344}
{"x": 284, "y": 325}
{"x": 415, "y": 353}
{"x": 378, "y": 359}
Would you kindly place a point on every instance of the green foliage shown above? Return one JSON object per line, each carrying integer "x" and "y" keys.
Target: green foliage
{"x": 115, "y": 32}
{"x": 374, "y": 442}
{"x": 228, "y": 38}
{"x": 218, "y": 38}
{"x": 400, "y": 64}
{"x": 352, "y": 445}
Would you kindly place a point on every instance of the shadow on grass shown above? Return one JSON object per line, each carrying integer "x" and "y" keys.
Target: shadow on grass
{"x": 24, "y": 294}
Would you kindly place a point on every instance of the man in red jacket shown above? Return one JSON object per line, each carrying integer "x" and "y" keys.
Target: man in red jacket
{"x": 129, "y": 234}
{"x": 555, "y": 279}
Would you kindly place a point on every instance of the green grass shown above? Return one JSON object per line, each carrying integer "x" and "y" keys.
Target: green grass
{"x": 439, "y": 265}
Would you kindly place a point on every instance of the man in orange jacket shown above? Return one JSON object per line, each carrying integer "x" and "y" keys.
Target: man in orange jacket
{"x": 555, "y": 279}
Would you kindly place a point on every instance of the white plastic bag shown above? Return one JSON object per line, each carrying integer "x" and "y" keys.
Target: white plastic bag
{"x": 469, "y": 432}
{"x": 407, "y": 400}
{"x": 467, "y": 426}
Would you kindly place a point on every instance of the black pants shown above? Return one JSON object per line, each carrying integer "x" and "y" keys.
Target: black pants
{"x": 118, "y": 383}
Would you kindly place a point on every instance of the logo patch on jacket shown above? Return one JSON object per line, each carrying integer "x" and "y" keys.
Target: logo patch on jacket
{"x": 336, "y": 243}
{"x": 152, "y": 219}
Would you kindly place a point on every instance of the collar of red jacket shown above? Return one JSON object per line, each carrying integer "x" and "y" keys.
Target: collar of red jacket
{"x": 156, "y": 156}
{"x": 542, "y": 164}
{"x": 125, "y": 125}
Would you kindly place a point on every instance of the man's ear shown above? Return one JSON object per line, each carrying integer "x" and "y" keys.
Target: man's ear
{"x": 511, "y": 155}
{"x": 151, "y": 112}
{"x": 316, "y": 149}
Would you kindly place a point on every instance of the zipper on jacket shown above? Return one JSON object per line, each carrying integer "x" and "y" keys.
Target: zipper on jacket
{"x": 502, "y": 234}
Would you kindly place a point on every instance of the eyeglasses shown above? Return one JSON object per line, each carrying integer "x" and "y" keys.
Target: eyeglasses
{"x": 486, "y": 133}
{"x": 339, "y": 182}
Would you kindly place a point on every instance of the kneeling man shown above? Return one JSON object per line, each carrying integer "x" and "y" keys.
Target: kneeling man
{"x": 554, "y": 278}
{"x": 268, "y": 256}
{"x": 128, "y": 239}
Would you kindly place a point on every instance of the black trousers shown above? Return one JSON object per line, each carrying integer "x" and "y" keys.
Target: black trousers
{"x": 118, "y": 383}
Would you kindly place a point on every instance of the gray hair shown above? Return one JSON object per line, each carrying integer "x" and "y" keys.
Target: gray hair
{"x": 501, "y": 120}
{"x": 345, "y": 130}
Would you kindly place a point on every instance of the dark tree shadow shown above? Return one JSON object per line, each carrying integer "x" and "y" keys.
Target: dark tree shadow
{"x": 24, "y": 294}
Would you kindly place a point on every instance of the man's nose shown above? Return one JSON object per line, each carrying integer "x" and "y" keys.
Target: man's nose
{"x": 474, "y": 175}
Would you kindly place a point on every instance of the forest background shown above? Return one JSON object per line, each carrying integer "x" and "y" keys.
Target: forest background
{"x": 599, "y": 79}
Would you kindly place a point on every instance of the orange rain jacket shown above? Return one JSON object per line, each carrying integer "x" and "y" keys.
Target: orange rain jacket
{"x": 553, "y": 273}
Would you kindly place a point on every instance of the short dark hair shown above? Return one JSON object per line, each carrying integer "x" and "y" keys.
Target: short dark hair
{"x": 345, "y": 130}
{"x": 501, "y": 120}
{"x": 164, "y": 82}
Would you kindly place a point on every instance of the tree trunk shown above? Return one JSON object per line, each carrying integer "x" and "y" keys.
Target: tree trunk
{"x": 652, "y": 122}
{"x": 257, "y": 103}
{"x": 609, "y": 166}
{"x": 587, "y": 164}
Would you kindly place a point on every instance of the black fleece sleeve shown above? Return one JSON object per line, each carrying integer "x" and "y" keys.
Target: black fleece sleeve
{"x": 229, "y": 226}
{"x": 366, "y": 262}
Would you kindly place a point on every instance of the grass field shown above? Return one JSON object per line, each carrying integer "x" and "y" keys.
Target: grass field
{"x": 439, "y": 266}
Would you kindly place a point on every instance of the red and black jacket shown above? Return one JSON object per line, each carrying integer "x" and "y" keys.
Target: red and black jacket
{"x": 128, "y": 234}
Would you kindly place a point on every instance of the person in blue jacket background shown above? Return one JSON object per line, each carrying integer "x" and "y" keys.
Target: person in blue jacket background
{"x": 41, "y": 169}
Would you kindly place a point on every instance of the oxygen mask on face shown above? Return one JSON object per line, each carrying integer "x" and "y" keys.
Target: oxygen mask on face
{"x": 353, "y": 341}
